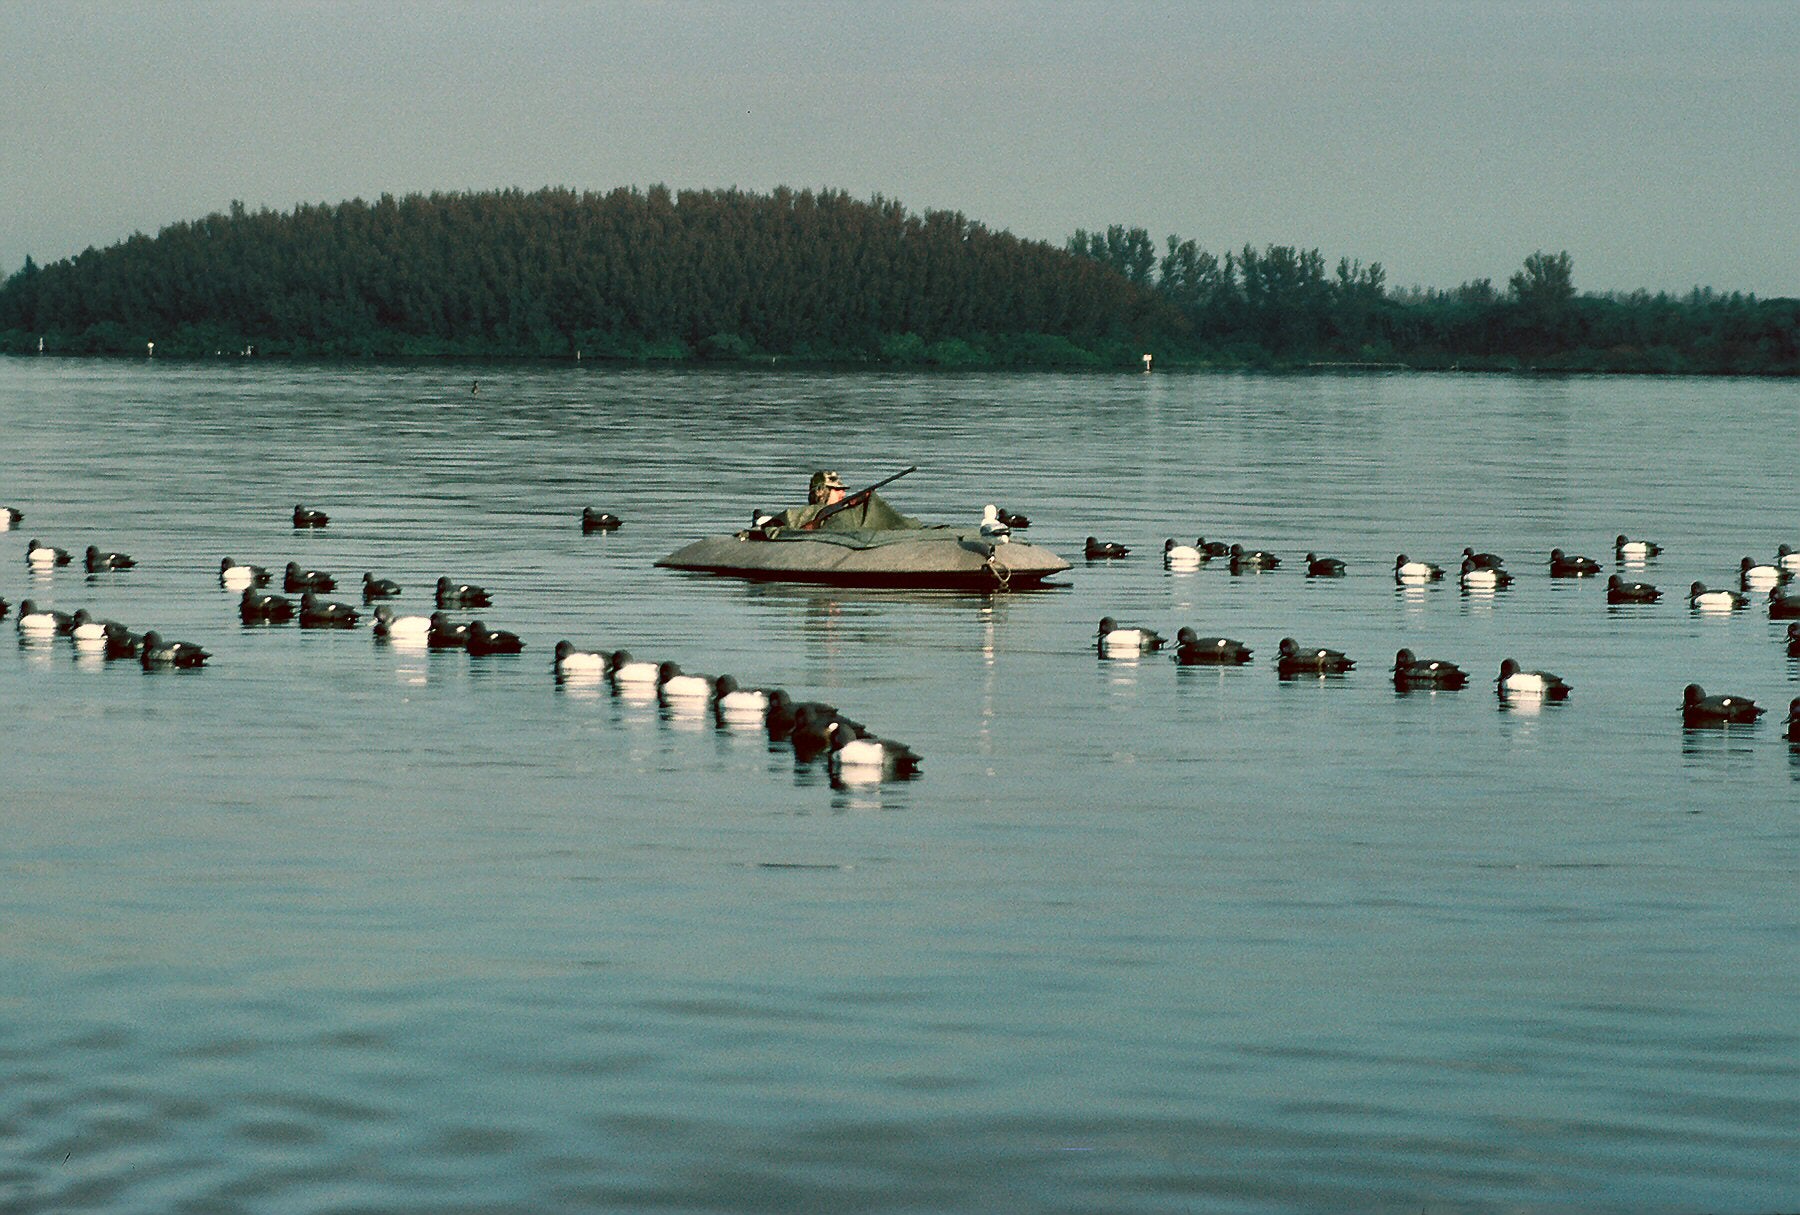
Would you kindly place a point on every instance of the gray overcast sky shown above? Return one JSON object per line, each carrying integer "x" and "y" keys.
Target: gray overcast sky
{"x": 1659, "y": 143}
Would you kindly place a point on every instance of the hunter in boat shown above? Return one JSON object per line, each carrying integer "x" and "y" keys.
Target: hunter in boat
{"x": 860, "y": 539}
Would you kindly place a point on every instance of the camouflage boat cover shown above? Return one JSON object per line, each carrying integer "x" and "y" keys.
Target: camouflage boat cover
{"x": 927, "y": 557}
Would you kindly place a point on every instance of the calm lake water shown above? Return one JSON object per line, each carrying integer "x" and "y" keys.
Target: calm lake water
{"x": 333, "y": 926}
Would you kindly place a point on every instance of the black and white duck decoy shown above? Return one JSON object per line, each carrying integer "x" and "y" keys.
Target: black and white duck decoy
{"x": 39, "y": 555}
{"x": 89, "y": 632}
{"x": 1620, "y": 591}
{"x": 1699, "y": 709}
{"x": 1182, "y": 556}
{"x": 1483, "y": 577}
{"x": 461, "y": 594}
{"x": 1323, "y": 567}
{"x": 1562, "y": 565}
{"x": 991, "y": 528}
{"x": 378, "y": 588}
{"x": 305, "y": 517}
{"x": 235, "y": 575}
{"x": 43, "y": 622}
{"x": 10, "y": 517}
{"x": 156, "y": 652}
{"x": 414, "y": 630}
{"x": 1634, "y": 550}
{"x": 1098, "y": 550}
{"x": 868, "y": 757}
{"x": 1485, "y": 561}
{"x": 1292, "y": 659}
{"x": 1706, "y": 600}
{"x": 1116, "y": 640}
{"x": 317, "y": 613}
{"x": 484, "y": 641}
{"x": 446, "y": 634}
{"x": 296, "y": 579}
{"x": 1414, "y": 672}
{"x": 675, "y": 685}
{"x": 599, "y": 521}
{"x": 744, "y": 706}
{"x": 1251, "y": 559}
{"x": 264, "y": 607}
{"x": 1754, "y": 577}
{"x": 96, "y": 561}
{"x": 627, "y": 671}
{"x": 1415, "y": 573}
{"x": 1516, "y": 683}
{"x": 1193, "y": 650}
{"x": 1787, "y": 558}
{"x": 573, "y": 663}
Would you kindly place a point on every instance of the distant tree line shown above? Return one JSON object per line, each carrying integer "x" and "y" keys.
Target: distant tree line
{"x": 634, "y": 274}
{"x": 727, "y": 274}
{"x": 1281, "y": 306}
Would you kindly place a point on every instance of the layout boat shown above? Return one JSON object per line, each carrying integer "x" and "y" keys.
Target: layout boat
{"x": 944, "y": 557}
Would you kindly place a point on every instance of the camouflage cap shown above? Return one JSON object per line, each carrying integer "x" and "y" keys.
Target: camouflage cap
{"x": 822, "y": 481}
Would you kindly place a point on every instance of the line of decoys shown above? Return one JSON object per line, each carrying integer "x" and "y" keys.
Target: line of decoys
{"x": 1479, "y": 571}
{"x": 812, "y": 728}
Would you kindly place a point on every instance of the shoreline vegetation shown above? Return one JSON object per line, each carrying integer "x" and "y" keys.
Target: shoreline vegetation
{"x": 803, "y": 277}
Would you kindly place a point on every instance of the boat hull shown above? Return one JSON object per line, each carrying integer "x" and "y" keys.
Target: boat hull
{"x": 925, "y": 557}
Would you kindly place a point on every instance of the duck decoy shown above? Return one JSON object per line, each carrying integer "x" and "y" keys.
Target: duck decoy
{"x": 304, "y": 517}
{"x": 1754, "y": 577}
{"x": 484, "y": 641}
{"x": 1485, "y": 561}
{"x": 1323, "y": 567}
{"x": 1113, "y": 639}
{"x": 1413, "y": 672}
{"x": 235, "y": 576}
{"x": 1194, "y": 650}
{"x": 1414, "y": 573}
{"x": 1564, "y": 566}
{"x": 672, "y": 683}
{"x": 1016, "y": 522}
{"x": 88, "y": 632}
{"x": 4, "y": 608}
{"x": 317, "y": 613}
{"x": 571, "y": 663}
{"x": 1515, "y": 683}
{"x": 869, "y": 757}
{"x": 415, "y": 629}
{"x": 43, "y": 621}
{"x": 1793, "y": 720}
{"x": 779, "y": 719}
{"x": 378, "y": 588}
{"x": 599, "y": 521}
{"x": 296, "y": 579}
{"x": 264, "y": 607}
{"x": 1483, "y": 577}
{"x": 1097, "y": 550}
{"x": 1292, "y": 660}
{"x": 155, "y": 652}
{"x": 1699, "y": 709}
{"x": 1787, "y": 558}
{"x": 121, "y": 642}
{"x": 1784, "y": 604}
{"x": 814, "y": 725}
{"x": 991, "y": 528}
{"x": 1251, "y": 559}
{"x": 743, "y": 705}
{"x": 1182, "y": 556}
{"x": 629, "y": 671}
{"x": 1716, "y": 601}
{"x": 1635, "y": 550}
{"x": 1620, "y": 591}
{"x": 446, "y": 634}
{"x": 461, "y": 594}
{"x": 44, "y": 556}
{"x": 1793, "y": 640}
{"x": 10, "y": 517}
{"x": 97, "y": 561}
{"x": 1212, "y": 548}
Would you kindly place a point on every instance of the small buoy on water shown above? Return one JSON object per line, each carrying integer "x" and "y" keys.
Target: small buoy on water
{"x": 1146, "y": 364}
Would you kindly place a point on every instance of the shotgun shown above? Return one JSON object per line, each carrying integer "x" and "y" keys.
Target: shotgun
{"x": 857, "y": 499}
